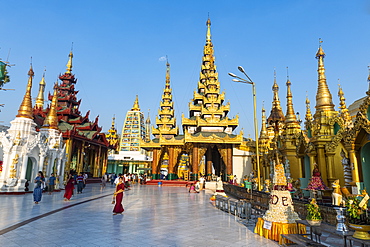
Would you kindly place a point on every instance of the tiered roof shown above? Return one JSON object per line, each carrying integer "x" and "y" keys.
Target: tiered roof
{"x": 166, "y": 122}
{"x": 70, "y": 121}
{"x": 207, "y": 111}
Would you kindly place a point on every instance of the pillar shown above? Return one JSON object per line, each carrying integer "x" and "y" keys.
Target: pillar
{"x": 229, "y": 161}
{"x": 209, "y": 164}
{"x": 354, "y": 164}
{"x": 155, "y": 174}
{"x": 171, "y": 164}
{"x": 195, "y": 163}
{"x": 331, "y": 177}
{"x": 321, "y": 161}
{"x": 24, "y": 168}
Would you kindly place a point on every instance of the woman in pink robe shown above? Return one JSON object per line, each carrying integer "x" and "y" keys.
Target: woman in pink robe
{"x": 118, "y": 195}
{"x": 69, "y": 188}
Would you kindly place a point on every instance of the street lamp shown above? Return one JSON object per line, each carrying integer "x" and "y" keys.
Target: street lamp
{"x": 249, "y": 81}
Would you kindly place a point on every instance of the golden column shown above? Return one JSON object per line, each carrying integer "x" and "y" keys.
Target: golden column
{"x": 229, "y": 165}
{"x": 195, "y": 164}
{"x": 171, "y": 164}
{"x": 209, "y": 164}
{"x": 155, "y": 174}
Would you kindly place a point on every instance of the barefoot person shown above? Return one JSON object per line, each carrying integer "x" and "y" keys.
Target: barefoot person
{"x": 117, "y": 197}
{"x": 37, "y": 191}
{"x": 69, "y": 188}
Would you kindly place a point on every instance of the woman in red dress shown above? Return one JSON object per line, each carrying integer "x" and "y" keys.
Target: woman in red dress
{"x": 69, "y": 188}
{"x": 118, "y": 195}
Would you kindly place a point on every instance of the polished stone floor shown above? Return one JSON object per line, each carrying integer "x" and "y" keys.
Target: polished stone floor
{"x": 154, "y": 216}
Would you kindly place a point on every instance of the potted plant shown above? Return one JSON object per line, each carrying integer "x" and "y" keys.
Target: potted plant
{"x": 313, "y": 213}
{"x": 357, "y": 215}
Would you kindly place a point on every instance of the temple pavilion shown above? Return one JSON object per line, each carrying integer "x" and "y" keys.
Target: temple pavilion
{"x": 207, "y": 137}
{"x": 86, "y": 146}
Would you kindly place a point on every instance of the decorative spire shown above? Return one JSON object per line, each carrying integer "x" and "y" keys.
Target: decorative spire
{"x": 112, "y": 137}
{"x": 368, "y": 79}
{"x": 136, "y": 106}
{"x": 290, "y": 116}
{"x": 276, "y": 114}
{"x": 263, "y": 133}
{"x": 166, "y": 121}
{"x": 147, "y": 127}
{"x": 308, "y": 110}
{"x": 324, "y": 100}
{"x": 113, "y": 121}
{"x": 40, "y": 97}
{"x": 25, "y": 109}
{"x": 208, "y": 38}
{"x": 343, "y": 107}
{"x": 51, "y": 120}
{"x": 69, "y": 64}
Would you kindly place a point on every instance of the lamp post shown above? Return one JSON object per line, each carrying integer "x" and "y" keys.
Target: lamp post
{"x": 249, "y": 81}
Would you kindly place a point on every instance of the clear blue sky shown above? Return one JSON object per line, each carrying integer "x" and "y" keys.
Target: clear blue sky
{"x": 118, "y": 46}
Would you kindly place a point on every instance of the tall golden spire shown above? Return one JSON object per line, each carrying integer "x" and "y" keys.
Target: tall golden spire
{"x": 166, "y": 121}
{"x": 136, "y": 106}
{"x": 290, "y": 116}
{"x": 69, "y": 64}
{"x": 208, "y": 38}
{"x": 263, "y": 133}
{"x": 51, "y": 120}
{"x": 276, "y": 114}
{"x": 324, "y": 100}
{"x": 308, "y": 110}
{"x": 25, "y": 109}
{"x": 343, "y": 107}
{"x": 275, "y": 89}
{"x": 40, "y": 97}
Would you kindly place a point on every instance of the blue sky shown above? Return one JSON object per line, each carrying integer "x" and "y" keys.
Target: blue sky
{"x": 118, "y": 46}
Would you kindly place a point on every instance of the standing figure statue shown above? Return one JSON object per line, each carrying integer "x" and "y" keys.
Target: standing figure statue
{"x": 337, "y": 194}
{"x": 316, "y": 182}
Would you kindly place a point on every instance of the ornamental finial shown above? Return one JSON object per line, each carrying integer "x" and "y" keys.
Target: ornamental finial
{"x": 25, "y": 109}
{"x": 69, "y": 64}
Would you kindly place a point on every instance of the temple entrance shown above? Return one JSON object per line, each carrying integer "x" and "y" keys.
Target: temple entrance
{"x": 29, "y": 169}
{"x": 215, "y": 165}
{"x": 365, "y": 165}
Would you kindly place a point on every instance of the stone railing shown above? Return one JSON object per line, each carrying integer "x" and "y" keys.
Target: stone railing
{"x": 260, "y": 202}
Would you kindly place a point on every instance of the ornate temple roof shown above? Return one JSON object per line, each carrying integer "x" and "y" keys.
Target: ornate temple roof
{"x": 166, "y": 121}
{"x": 207, "y": 110}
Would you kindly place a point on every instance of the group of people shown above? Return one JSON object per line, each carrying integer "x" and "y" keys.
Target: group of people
{"x": 74, "y": 179}
{"x": 43, "y": 184}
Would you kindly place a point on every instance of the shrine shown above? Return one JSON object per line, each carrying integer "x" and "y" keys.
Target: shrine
{"x": 207, "y": 143}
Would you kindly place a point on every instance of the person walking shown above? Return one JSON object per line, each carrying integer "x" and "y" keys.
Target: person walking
{"x": 51, "y": 185}
{"x": 69, "y": 188}
{"x": 80, "y": 183}
{"x": 118, "y": 196}
{"x": 39, "y": 186}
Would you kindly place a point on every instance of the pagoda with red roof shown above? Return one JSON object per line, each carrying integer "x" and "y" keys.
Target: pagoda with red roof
{"x": 86, "y": 146}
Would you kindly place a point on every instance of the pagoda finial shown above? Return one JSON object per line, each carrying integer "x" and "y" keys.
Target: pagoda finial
{"x": 290, "y": 116}
{"x": 275, "y": 89}
{"x": 324, "y": 100}
{"x": 40, "y": 97}
{"x": 25, "y": 109}
{"x": 167, "y": 73}
{"x": 69, "y": 64}
{"x": 51, "y": 120}
{"x": 308, "y": 110}
{"x": 343, "y": 107}
{"x": 208, "y": 23}
{"x": 263, "y": 133}
{"x": 113, "y": 120}
{"x": 276, "y": 114}
{"x": 368, "y": 78}
{"x": 136, "y": 106}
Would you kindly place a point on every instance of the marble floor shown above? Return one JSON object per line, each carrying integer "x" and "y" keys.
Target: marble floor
{"x": 154, "y": 216}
